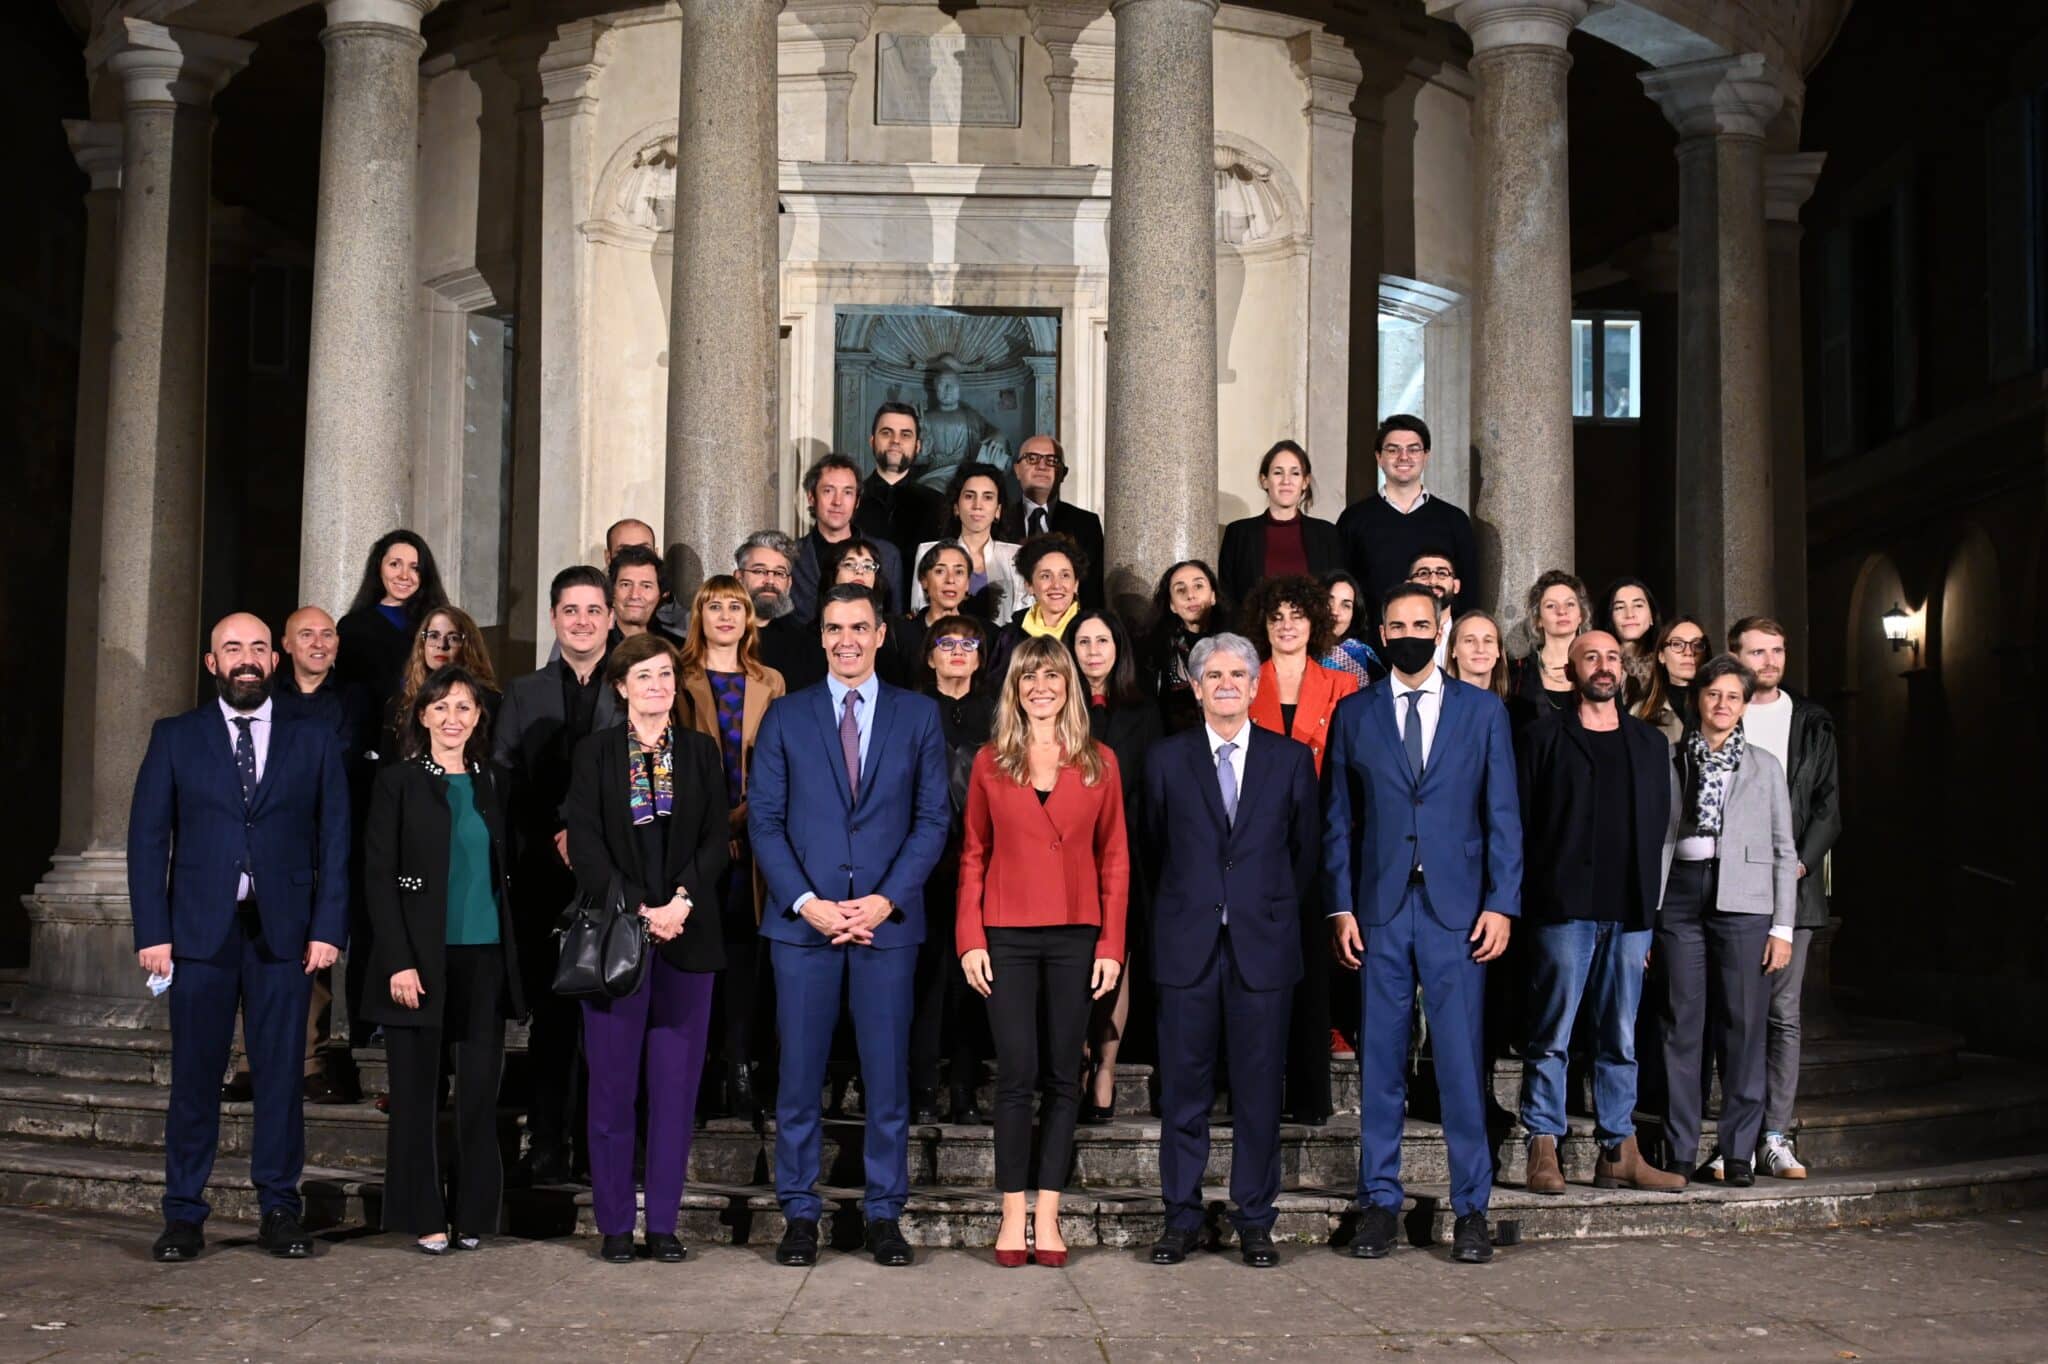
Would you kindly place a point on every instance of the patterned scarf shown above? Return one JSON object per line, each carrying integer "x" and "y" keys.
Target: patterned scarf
{"x": 1713, "y": 770}
{"x": 657, "y": 797}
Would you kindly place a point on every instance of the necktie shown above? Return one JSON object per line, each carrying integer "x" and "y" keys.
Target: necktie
{"x": 1038, "y": 520}
{"x": 1226, "y": 780}
{"x": 1411, "y": 732}
{"x": 849, "y": 742}
{"x": 245, "y": 757}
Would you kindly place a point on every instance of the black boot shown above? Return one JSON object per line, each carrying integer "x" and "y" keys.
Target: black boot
{"x": 744, "y": 1093}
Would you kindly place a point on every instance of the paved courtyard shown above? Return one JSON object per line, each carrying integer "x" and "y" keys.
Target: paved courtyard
{"x": 81, "y": 1287}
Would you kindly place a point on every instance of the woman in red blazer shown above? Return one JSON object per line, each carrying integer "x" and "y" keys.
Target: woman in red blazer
{"x": 1044, "y": 878}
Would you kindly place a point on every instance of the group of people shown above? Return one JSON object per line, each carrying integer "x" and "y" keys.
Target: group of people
{"x": 885, "y": 826}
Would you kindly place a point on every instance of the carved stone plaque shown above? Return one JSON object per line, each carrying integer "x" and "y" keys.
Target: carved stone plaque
{"x": 948, "y": 80}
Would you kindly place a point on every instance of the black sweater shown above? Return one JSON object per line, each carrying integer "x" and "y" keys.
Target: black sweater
{"x": 1380, "y": 543}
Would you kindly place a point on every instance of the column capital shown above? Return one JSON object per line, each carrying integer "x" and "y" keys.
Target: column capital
{"x": 1077, "y": 38}
{"x": 1719, "y": 97}
{"x": 1789, "y": 179}
{"x": 97, "y": 149}
{"x": 404, "y": 16}
{"x": 1512, "y": 23}
{"x": 1330, "y": 70}
{"x": 160, "y": 65}
{"x": 569, "y": 64}
{"x": 817, "y": 37}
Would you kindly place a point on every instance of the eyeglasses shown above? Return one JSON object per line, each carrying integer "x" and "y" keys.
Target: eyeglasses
{"x": 451, "y": 638}
{"x": 956, "y": 644}
{"x": 860, "y": 565}
{"x": 773, "y": 575}
{"x": 1423, "y": 575}
{"x": 1687, "y": 646}
{"x": 1039, "y": 457}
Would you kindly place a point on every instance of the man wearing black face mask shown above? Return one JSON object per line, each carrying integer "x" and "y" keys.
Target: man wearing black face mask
{"x": 1422, "y": 846}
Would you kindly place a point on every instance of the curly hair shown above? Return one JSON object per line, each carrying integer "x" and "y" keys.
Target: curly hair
{"x": 1305, "y": 595}
{"x": 1051, "y": 542}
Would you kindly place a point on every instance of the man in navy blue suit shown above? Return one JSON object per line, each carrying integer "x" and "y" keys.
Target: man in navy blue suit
{"x": 238, "y": 881}
{"x": 1230, "y": 813}
{"x": 1422, "y": 864}
{"x": 847, "y": 810}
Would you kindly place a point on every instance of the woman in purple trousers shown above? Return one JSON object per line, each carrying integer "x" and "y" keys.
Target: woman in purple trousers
{"x": 647, "y": 805}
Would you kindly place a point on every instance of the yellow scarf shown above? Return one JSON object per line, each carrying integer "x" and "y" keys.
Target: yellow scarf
{"x": 1034, "y": 620}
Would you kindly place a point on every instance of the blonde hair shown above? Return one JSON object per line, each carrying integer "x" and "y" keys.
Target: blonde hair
{"x": 696, "y": 647}
{"x": 1012, "y": 741}
{"x": 1495, "y": 682}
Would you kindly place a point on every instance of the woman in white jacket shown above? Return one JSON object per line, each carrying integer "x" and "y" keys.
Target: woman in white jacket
{"x": 974, "y": 506}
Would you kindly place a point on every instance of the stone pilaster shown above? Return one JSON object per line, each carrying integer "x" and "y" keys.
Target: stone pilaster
{"x": 1521, "y": 322}
{"x": 1331, "y": 74}
{"x": 1161, "y": 420}
{"x": 1079, "y": 37}
{"x": 723, "y": 315}
{"x": 1788, "y": 183}
{"x": 82, "y": 963}
{"x": 814, "y": 59}
{"x": 359, "y": 388}
{"x": 1726, "y": 558}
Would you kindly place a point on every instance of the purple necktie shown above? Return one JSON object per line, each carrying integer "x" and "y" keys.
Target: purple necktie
{"x": 849, "y": 743}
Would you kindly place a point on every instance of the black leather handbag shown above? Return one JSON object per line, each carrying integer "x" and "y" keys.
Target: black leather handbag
{"x": 603, "y": 948}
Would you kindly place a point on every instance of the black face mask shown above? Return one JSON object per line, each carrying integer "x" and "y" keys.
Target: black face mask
{"x": 1409, "y": 654}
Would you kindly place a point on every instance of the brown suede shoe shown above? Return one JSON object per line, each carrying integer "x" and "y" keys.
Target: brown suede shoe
{"x": 1545, "y": 1176}
{"x": 1628, "y": 1170}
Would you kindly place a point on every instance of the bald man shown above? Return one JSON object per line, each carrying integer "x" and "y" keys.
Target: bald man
{"x": 247, "y": 802}
{"x": 1596, "y": 796}
{"x": 671, "y": 617}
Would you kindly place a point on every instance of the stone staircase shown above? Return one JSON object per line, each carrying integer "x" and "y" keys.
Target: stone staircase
{"x": 1900, "y": 1123}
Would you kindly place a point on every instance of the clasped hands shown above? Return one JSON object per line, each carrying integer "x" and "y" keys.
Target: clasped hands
{"x": 847, "y": 921}
{"x": 981, "y": 974}
{"x": 665, "y": 921}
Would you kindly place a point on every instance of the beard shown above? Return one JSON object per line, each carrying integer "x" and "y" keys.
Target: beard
{"x": 771, "y": 603}
{"x": 894, "y": 462}
{"x": 1600, "y": 687}
{"x": 243, "y": 689}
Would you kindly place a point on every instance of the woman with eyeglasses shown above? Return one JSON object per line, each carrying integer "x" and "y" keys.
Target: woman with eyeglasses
{"x": 974, "y": 504}
{"x": 1669, "y": 702}
{"x": 447, "y": 637}
{"x": 943, "y": 1024}
{"x": 943, "y": 573}
{"x": 855, "y": 560}
{"x": 1284, "y": 540}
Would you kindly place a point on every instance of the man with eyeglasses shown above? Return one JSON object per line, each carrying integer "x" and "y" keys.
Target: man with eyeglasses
{"x": 1041, "y": 470}
{"x": 894, "y": 506}
{"x": 764, "y": 563}
{"x": 832, "y": 487}
{"x": 1433, "y": 568}
{"x": 1383, "y": 532}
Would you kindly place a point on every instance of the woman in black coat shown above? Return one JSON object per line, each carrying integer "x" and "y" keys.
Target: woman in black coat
{"x": 647, "y": 810}
{"x": 1284, "y": 540}
{"x": 442, "y": 971}
{"x": 401, "y": 584}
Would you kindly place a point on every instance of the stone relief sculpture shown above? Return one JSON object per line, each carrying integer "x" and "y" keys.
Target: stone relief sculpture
{"x": 955, "y": 432}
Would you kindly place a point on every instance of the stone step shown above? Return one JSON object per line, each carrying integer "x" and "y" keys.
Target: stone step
{"x": 131, "y": 1182}
{"x": 1990, "y": 1108}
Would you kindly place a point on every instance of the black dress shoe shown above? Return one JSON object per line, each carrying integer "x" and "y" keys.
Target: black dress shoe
{"x": 180, "y": 1241}
{"x": 965, "y": 1112}
{"x": 665, "y": 1248}
{"x": 1098, "y": 1115}
{"x": 282, "y": 1235}
{"x": 1175, "y": 1244}
{"x": 1740, "y": 1173}
{"x": 799, "y": 1244}
{"x": 924, "y": 1107}
{"x": 1378, "y": 1229}
{"x": 1471, "y": 1240}
{"x": 1256, "y": 1245}
{"x": 320, "y": 1089}
{"x": 617, "y": 1250}
{"x": 239, "y": 1089}
{"x": 885, "y": 1242}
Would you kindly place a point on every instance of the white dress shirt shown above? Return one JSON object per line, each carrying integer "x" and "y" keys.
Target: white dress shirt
{"x": 259, "y": 736}
{"x": 1426, "y": 710}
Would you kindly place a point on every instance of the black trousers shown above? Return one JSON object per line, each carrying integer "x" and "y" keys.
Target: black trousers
{"x": 1041, "y": 975}
{"x": 470, "y": 1036}
{"x": 554, "y": 1052}
{"x": 1716, "y": 998}
{"x": 744, "y": 1029}
{"x": 1308, "y": 1031}
{"x": 945, "y": 1026}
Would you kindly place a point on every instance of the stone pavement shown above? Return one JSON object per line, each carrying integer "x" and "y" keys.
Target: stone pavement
{"x": 79, "y": 1286}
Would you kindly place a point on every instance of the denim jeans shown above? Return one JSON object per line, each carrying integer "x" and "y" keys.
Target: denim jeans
{"x": 1601, "y": 964}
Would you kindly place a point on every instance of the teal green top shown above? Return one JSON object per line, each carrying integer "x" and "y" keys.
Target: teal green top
{"x": 472, "y": 901}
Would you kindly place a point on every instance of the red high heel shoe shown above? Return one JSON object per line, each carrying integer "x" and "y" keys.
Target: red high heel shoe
{"x": 1052, "y": 1259}
{"x": 1014, "y": 1259}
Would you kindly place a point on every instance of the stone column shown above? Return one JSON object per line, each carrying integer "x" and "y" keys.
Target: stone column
{"x": 1521, "y": 323}
{"x": 1160, "y": 485}
{"x": 82, "y": 963}
{"x": 814, "y": 56}
{"x": 1720, "y": 106}
{"x": 97, "y": 147}
{"x": 723, "y": 346}
{"x": 1331, "y": 74}
{"x": 360, "y": 367}
{"x": 1080, "y": 41}
{"x": 1788, "y": 183}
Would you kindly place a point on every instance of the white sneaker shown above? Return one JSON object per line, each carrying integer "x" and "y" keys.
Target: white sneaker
{"x": 1775, "y": 1157}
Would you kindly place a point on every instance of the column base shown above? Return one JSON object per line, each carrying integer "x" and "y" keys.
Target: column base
{"x": 81, "y": 965}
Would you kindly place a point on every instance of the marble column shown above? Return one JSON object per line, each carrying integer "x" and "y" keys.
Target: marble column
{"x": 723, "y": 360}
{"x": 1726, "y": 563}
{"x": 81, "y": 962}
{"x": 1160, "y": 485}
{"x": 359, "y": 387}
{"x": 1521, "y": 322}
{"x": 1788, "y": 183}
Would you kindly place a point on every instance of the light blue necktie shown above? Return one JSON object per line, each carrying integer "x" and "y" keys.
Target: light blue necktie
{"x": 1226, "y": 779}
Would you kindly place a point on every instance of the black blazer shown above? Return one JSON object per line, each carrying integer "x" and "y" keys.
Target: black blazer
{"x": 1129, "y": 732}
{"x": 1559, "y": 804}
{"x": 405, "y": 888}
{"x": 602, "y": 841}
{"x": 527, "y": 741}
{"x": 373, "y": 653}
{"x": 1241, "y": 562}
{"x": 1083, "y": 526}
{"x": 1262, "y": 865}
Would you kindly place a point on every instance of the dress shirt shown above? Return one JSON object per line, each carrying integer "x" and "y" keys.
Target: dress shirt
{"x": 1420, "y": 498}
{"x": 864, "y": 721}
{"x": 259, "y": 735}
{"x": 1427, "y": 709}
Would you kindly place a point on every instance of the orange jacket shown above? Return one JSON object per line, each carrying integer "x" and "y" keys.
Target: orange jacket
{"x": 1321, "y": 689}
{"x": 1026, "y": 865}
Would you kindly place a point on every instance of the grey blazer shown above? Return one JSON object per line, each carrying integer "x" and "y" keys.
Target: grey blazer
{"x": 1759, "y": 857}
